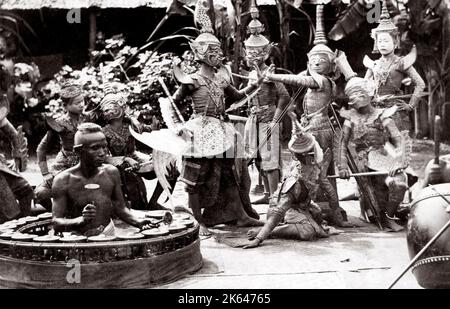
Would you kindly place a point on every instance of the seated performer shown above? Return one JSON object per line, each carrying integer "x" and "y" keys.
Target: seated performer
{"x": 374, "y": 132}
{"x": 16, "y": 193}
{"x": 293, "y": 205}
{"x": 89, "y": 212}
{"x": 124, "y": 154}
{"x": 64, "y": 127}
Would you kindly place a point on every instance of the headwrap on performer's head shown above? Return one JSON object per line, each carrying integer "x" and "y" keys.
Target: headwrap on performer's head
{"x": 69, "y": 92}
{"x": 257, "y": 46}
{"x": 206, "y": 47}
{"x": 385, "y": 26}
{"x": 302, "y": 143}
{"x": 320, "y": 40}
{"x": 113, "y": 103}
{"x": 356, "y": 87}
{"x": 87, "y": 133}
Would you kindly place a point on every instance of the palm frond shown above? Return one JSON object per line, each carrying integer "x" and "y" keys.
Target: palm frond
{"x": 18, "y": 36}
{"x": 21, "y": 20}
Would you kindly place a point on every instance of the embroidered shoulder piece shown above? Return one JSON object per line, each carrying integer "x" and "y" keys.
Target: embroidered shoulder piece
{"x": 407, "y": 61}
{"x": 182, "y": 77}
{"x": 388, "y": 112}
{"x": 60, "y": 124}
{"x": 347, "y": 114}
{"x": 368, "y": 63}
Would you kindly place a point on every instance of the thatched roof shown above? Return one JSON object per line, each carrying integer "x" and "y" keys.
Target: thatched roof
{"x": 74, "y": 4}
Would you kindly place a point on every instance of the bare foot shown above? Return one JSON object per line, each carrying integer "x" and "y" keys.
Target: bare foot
{"x": 251, "y": 234}
{"x": 249, "y": 222}
{"x": 392, "y": 226}
{"x": 204, "y": 230}
{"x": 263, "y": 200}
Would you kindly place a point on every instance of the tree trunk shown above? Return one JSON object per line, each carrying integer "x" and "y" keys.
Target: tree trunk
{"x": 284, "y": 15}
{"x": 238, "y": 39}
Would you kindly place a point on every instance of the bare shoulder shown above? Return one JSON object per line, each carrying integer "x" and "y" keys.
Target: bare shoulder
{"x": 64, "y": 176}
{"x": 61, "y": 181}
{"x": 111, "y": 170}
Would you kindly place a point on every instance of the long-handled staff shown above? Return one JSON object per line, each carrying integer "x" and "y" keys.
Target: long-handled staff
{"x": 362, "y": 182}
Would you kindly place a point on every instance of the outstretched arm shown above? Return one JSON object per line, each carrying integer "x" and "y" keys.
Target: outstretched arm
{"x": 119, "y": 205}
{"x": 419, "y": 84}
{"x": 343, "y": 146}
{"x": 295, "y": 80}
{"x": 235, "y": 95}
{"x": 274, "y": 216}
{"x": 42, "y": 152}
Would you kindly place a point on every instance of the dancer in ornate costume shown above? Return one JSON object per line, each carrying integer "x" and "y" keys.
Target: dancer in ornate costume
{"x": 390, "y": 71}
{"x": 124, "y": 154}
{"x": 379, "y": 146}
{"x": 212, "y": 183}
{"x": 63, "y": 127}
{"x": 316, "y": 103}
{"x": 16, "y": 193}
{"x": 302, "y": 217}
{"x": 266, "y": 108}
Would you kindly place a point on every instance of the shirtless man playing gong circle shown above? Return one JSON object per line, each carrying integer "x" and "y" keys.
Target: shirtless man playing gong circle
{"x": 87, "y": 195}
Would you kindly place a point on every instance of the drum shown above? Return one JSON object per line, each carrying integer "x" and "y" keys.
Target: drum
{"x": 430, "y": 211}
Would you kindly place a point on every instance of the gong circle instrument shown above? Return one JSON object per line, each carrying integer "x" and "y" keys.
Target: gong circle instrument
{"x": 32, "y": 257}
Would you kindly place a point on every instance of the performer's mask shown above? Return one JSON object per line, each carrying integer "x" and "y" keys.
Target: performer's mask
{"x": 320, "y": 63}
{"x": 257, "y": 55}
{"x": 207, "y": 49}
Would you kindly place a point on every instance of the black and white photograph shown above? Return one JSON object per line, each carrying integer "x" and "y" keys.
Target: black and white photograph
{"x": 242, "y": 146}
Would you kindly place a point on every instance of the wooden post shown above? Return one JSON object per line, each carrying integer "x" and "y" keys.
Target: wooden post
{"x": 283, "y": 14}
{"x": 92, "y": 30}
{"x": 238, "y": 38}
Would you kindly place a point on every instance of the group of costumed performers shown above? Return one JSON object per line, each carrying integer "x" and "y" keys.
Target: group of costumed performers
{"x": 372, "y": 144}
{"x": 370, "y": 133}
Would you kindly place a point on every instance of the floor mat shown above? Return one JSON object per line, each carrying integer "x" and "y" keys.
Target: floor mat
{"x": 234, "y": 240}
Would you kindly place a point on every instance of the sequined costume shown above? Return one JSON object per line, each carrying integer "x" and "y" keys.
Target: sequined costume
{"x": 212, "y": 178}
{"x": 388, "y": 77}
{"x": 316, "y": 103}
{"x": 264, "y": 109}
{"x": 294, "y": 206}
{"x": 369, "y": 133}
{"x": 15, "y": 192}
{"x": 390, "y": 71}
